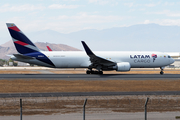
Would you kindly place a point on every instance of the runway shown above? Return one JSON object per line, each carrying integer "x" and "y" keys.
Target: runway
{"x": 68, "y": 94}
{"x": 91, "y": 77}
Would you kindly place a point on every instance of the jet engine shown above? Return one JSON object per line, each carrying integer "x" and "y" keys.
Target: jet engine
{"x": 123, "y": 66}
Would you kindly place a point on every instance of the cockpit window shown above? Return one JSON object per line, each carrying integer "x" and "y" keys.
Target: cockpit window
{"x": 169, "y": 56}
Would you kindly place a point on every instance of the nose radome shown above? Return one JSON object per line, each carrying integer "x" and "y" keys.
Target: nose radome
{"x": 172, "y": 60}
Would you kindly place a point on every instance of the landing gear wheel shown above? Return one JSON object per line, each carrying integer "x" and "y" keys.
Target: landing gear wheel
{"x": 98, "y": 72}
{"x": 161, "y": 72}
{"x": 88, "y": 72}
{"x": 101, "y": 72}
{"x": 94, "y": 72}
{"x": 162, "y": 68}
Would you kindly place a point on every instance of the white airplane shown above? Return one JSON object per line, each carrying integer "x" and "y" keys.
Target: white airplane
{"x": 99, "y": 60}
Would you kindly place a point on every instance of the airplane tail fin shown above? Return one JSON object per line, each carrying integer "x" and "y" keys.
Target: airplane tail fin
{"x": 22, "y": 43}
{"x": 49, "y": 48}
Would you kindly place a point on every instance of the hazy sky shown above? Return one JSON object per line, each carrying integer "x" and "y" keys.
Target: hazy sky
{"x": 67, "y": 16}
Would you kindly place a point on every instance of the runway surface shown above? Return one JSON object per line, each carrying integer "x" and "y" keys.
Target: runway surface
{"x": 91, "y": 77}
{"x": 68, "y": 94}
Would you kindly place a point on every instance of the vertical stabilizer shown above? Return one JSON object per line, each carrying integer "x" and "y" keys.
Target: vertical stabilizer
{"x": 22, "y": 43}
{"x": 49, "y": 48}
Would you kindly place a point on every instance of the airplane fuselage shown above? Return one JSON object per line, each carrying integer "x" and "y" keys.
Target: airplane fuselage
{"x": 79, "y": 59}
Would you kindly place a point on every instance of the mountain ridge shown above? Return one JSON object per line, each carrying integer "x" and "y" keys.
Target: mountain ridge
{"x": 141, "y": 37}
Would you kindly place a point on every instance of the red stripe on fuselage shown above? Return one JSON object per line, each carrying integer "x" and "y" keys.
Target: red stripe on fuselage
{"x": 21, "y": 43}
{"x": 14, "y": 28}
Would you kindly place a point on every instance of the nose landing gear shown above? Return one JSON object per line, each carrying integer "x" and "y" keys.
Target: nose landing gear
{"x": 162, "y": 68}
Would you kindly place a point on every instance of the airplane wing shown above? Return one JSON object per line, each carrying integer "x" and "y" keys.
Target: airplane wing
{"x": 96, "y": 60}
{"x": 20, "y": 56}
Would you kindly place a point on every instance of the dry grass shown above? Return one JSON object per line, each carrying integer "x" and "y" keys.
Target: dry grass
{"x": 18, "y": 86}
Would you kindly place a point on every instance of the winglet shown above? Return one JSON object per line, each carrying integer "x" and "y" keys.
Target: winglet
{"x": 87, "y": 49}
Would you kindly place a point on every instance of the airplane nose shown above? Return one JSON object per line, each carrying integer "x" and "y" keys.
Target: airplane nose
{"x": 172, "y": 60}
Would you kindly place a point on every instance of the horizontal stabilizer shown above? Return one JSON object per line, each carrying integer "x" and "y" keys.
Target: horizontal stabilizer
{"x": 9, "y": 55}
{"x": 20, "y": 56}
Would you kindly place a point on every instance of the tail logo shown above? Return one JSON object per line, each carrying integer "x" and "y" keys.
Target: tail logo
{"x": 21, "y": 42}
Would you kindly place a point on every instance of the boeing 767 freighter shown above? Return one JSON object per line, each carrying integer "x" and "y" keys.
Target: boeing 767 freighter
{"x": 99, "y": 60}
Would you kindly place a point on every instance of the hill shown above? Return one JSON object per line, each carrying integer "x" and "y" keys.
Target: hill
{"x": 9, "y": 49}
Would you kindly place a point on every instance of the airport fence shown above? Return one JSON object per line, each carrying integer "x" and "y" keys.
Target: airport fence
{"x": 63, "y": 105}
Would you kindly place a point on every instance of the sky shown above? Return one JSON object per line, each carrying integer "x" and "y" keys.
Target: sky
{"x": 66, "y": 16}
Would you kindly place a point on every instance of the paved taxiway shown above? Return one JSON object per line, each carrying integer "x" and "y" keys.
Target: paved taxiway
{"x": 91, "y": 77}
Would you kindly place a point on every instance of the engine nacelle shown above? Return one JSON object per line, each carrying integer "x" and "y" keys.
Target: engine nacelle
{"x": 123, "y": 66}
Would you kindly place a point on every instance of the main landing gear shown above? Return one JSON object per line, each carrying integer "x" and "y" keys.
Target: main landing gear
{"x": 94, "y": 72}
{"x": 162, "y": 68}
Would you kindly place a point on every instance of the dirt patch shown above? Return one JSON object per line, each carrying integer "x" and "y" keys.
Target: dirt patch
{"x": 115, "y": 72}
{"x": 23, "y": 86}
{"x": 83, "y": 71}
{"x": 19, "y": 72}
